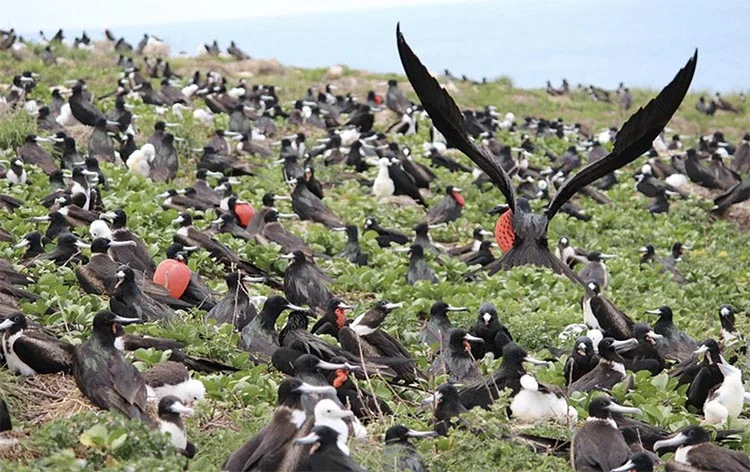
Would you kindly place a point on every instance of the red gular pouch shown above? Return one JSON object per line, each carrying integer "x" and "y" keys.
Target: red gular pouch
{"x": 341, "y": 376}
{"x": 504, "y": 234}
{"x": 458, "y": 198}
{"x": 174, "y": 276}
{"x": 244, "y": 212}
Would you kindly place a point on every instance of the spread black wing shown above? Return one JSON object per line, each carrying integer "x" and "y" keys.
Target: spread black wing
{"x": 634, "y": 138}
{"x": 448, "y": 119}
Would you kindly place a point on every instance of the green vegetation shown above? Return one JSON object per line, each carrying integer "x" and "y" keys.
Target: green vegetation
{"x": 533, "y": 303}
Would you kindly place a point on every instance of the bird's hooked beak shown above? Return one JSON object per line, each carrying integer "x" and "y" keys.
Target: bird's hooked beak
{"x": 311, "y": 438}
{"x": 330, "y": 366}
{"x": 83, "y": 245}
{"x": 6, "y": 324}
{"x": 23, "y": 243}
{"x": 340, "y": 229}
{"x": 178, "y": 220}
{"x": 701, "y": 350}
{"x": 675, "y": 441}
{"x": 108, "y": 215}
{"x": 457, "y": 308}
{"x": 484, "y": 232}
{"x": 288, "y": 257}
{"x": 282, "y": 197}
{"x": 436, "y": 226}
{"x": 253, "y": 280}
{"x": 468, "y": 339}
{"x": 324, "y": 389}
{"x": 581, "y": 349}
{"x": 652, "y": 337}
{"x": 622, "y": 345}
{"x": 400, "y": 250}
{"x": 122, "y": 243}
{"x": 653, "y": 312}
{"x": 293, "y": 307}
{"x": 615, "y": 408}
{"x": 291, "y": 216}
{"x": 432, "y": 399}
{"x": 179, "y": 408}
{"x": 629, "y": 466}
{"x": 126, "y": 321}
{"x": 534, "y": 361}
{"x": 393, "y": 306}
{"x": 39, "y": 218}
{"x": 608, "y": 256}
{"x": 487, "y": 317}
{"x": 412, "y": 433}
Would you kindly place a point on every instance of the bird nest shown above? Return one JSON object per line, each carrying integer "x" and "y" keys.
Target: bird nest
{"x": 46, "y": 398}
{"x": 738, "y": 214}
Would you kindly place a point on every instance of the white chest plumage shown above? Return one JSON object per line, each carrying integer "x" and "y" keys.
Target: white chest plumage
{"x": 15, "y": 364}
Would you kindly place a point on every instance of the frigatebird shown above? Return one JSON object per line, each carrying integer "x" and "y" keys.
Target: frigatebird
{"x": 529, "y": 230}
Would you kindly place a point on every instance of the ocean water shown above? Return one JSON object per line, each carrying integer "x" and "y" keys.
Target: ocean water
{"x": 639, "y": 42}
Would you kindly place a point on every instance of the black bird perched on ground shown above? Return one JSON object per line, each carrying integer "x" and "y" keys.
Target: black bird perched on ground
{"x": 702, "y": 376}
{"x": 448, "y": 209}
{"x": 599, "y": 446}
{"x": 600, "y": 313}
{"x": 608, "y": 372}
{"x": 83, "y": 110}
{"x": 418, "y": 268}
{"x": 327, "y": 456}
{"x": 32, "y": 352}
{"x": 696, "y": 453}
{"x": 447, "y": 408}
{"x": 305, "y": 283}
{"x": 103, "y": 374}
{"x": 67, "y": 251}
{"x": 235, "y": 307}
{"x": 508, "y": 375}
{"x": 529, "y": 230}
{"x": 491, "y": 331}
{"x": 268, "y": 449}
{"x": 385, "y": 236}
{"x": 400, "y": 455}
{"x": 395, "y": 99}
{"x": 137, "y": 257}
{"x": 456, "y": 360}
{"x": 645, "y": 355}
{"x": 129, "y": 301}
{"x": 582, "y": 360}
{"x": 309, "y": 207}
{"x": 674, "y": 344}
{"x": 33, "y": 243}
{"x": 352, "y": 252}
{"x": 438, "y": 327}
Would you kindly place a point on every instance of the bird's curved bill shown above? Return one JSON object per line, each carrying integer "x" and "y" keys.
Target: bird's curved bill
{"x": 82, "y": 245}
{"x": 122, "y": 243}
{"x": 534, "y": 361}
{"x": 39, "y": 218}
{"x": 190, "y": 248}
{"x": 626, "y": 467}
{"x": 675, "y": 441}
{"x": 330, "y": 366}
{"x": 286, "y": 256}
{"x": 393, "y": 306}
{"x": 126, "y": 321}
{"x": 253, "y": 280}
{"x": 293, "y": 307}
{"x": 109, "y": 215}
{"x": 457, "y": 308}
{"x": 216, "y": 175}
{"x": 469, "y": 337}
{"x": 484, "y": 232}
{"x": 421, "y": 434}
{"x": 178, "y": 408}
{"x": 432, "y": 399}
{"x": 608, "y": 256}
{"x": 653, "y": 312}
{"x": 6, "y": 324}
{"x": 701, "y": 349}
{"x": 436, "y": 226}
{"x": 339, "y": 229}
{"x": 614, "y": 407}
{"x": 23, "y": 243}
{"x": 311, "y": 438}
{"x": 282, "y": 197}
{"x": 625, "y": 343}
{"x": 178, "y": 220}
{"x": 324, "y": 389}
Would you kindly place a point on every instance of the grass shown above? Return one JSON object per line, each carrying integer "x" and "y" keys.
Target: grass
{"x": 533, "y": 303}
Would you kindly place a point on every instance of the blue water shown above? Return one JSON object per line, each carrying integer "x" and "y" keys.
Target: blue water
{"x": 640, "y": 42}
